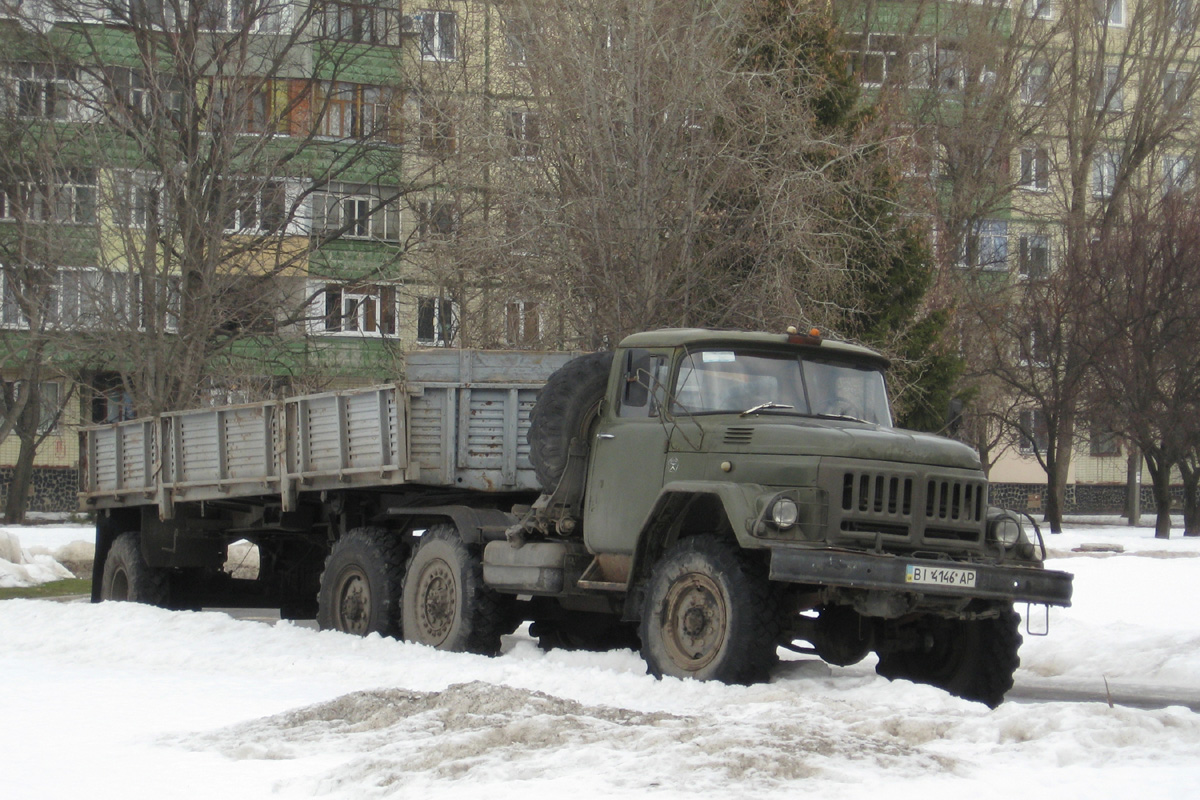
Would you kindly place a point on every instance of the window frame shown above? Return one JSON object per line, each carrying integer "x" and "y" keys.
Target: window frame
{"x": 438, "y": 35}
{"x": 384, "y": 219}
{"x": 433, "y": 328}
{"x": 374, "y": 309}
{"x": 1034, "y": 168}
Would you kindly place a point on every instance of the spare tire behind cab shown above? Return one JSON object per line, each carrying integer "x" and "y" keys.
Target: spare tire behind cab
{"x": 565, "y": 409}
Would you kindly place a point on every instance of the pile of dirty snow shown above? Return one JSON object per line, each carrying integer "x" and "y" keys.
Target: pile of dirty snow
{"x": 42, "y": 561}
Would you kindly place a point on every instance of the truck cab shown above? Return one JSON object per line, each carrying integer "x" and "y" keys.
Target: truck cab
{"x": 774, "y": 459}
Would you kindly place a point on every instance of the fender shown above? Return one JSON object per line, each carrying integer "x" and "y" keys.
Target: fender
{"x": 675, "y": 503}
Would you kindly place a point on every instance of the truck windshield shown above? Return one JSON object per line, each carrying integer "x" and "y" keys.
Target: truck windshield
{"x": 734, "y": 381}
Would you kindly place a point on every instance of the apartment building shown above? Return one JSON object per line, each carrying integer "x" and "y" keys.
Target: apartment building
{"x": 1027, "y": 128}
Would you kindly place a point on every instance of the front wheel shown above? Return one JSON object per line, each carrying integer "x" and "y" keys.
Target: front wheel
{"x": 972, "y": 659}
{"x": 710, "y": 614}
{"x": 446, "y": 603}
{"x": 360, "y": 587}
{"x": 127, "y": 576}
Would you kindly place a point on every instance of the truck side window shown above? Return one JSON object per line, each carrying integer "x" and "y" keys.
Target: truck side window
{"x": 642, "y": 389}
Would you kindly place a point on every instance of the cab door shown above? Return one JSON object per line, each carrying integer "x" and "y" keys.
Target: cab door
{"x": 628, "y": 453}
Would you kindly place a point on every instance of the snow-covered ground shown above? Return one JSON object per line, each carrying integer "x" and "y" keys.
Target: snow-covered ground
{"x": 131, "y": 701}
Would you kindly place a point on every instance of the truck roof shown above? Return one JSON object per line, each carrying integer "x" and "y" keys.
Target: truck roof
{"x": 678, "y": 337}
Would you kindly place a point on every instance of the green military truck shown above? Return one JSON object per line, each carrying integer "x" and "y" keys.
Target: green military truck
{"x": 706, "y": 496}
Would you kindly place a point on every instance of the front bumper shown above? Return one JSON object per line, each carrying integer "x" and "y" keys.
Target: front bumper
{"x": 855, "y": 570}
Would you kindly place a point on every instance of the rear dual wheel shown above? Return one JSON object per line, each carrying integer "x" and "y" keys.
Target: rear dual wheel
{"x": 445, "y": 601}
{"x": 127, "y": 577}
{"x": 360, "y": 587}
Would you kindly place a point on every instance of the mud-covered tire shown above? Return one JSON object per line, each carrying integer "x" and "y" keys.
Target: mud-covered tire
{"x": 710, "y": 613}
{"x": 446, "y": 603}
{"x": 127, "y": 577}
{"x": 361, "y": 584}
{"x": 565, "y": 408}
{"x": 972, "y": 659}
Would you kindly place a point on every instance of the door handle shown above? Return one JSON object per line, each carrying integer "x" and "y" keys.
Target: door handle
{"x": 606, "y": 436}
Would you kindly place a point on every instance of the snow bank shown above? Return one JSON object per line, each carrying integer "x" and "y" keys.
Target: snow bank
{"x": 147, "y": 703}
{"x": 19, "y": 567}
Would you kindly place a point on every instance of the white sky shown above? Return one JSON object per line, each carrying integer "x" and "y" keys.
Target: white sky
{"x": 128, "y": 701}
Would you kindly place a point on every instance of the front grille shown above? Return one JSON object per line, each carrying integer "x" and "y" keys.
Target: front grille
{"x": 878, "y": 494}
{"x": 907, "y": 507}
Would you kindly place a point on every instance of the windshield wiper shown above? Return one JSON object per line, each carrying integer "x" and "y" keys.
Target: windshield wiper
{"x": 763, "y": 407}
{"x": 846, "y": 417}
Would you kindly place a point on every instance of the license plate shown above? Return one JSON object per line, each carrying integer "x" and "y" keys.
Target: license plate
{"x": 939, "y": 576}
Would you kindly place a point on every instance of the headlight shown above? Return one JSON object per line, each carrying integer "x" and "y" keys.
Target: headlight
{"x": 1005, "y": 530}
{"x": 784, "y": 513}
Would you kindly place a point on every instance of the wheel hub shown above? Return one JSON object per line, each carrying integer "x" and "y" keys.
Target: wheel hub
{"x": 696, "y": 622}
{"x": 436, "y": 600}
{"x": 354, "y": 603}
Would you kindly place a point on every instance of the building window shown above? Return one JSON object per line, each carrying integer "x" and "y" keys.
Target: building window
{"x": 878, "y": 58}
{"x": 1035, "y": 255}
{"x": 138, "y": 96}
{"x": 354, "y": 111}
{"x": 68, "y": 197}
{"x": 1176, "y": 91}
{"x": 252, "y": 206}
{"x": 518, "y": 35}
{"x": 1033, "y": 436}
{"x": 439, "y": 35}
{"x": 986, "y": 246}
{"x": 1035, "y": 168}
{"x": 1039, "y": 9}
{"x": 39, "y": 91}
{"x": 1035, "y": 86}
{"x": 1177, "y": 173}
{"x": 1111, "y": 96}
{"x": 364, "y": 21}
{"x": 243, "y": 106}
{"x": 137, "y": 200}
{"x": 1104, "y": 444}
{"x": 437, "y": 128}
{"x": 1183, "y": 16}
{"x": 238, "y": 16}
{"x": 436, "y": 220}
{"x": 368, "y": 309}
{"x": 521, "y": 132}
{"x": 50, "y": 405}
{"x": 435, "y": 321}
{"x": 1111, "y": 12}
{"x": 355, "y": 211}
{"x": 83, "y": 298}
{"x": 1104, "y": 174}
{"x": 522, "y": 323}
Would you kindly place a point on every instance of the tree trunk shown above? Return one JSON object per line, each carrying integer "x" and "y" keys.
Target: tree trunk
{"x": 17, "y": 501}
{"x": 1160, "y": 475}
{"x": 1133, "y": 487}
{"x": 1191, "y": 500}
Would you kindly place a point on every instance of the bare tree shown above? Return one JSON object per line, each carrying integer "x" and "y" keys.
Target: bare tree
{"x": 234, "y": 144}
{"x": 1147, "y": 371}
{"x": 681, "y": 176}
{"x": 42, "y": 217}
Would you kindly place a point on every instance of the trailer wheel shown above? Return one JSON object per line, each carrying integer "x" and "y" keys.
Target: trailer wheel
{"x": 127, "y": 576}
{"x": 710, "y": 614}
{"x": 972, "y": 659}
{"x": 446, "y": 603}
{"x": 360, "y": 587}
{"x": 565, "y": 408}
